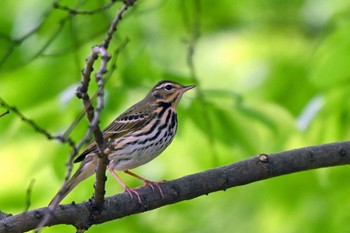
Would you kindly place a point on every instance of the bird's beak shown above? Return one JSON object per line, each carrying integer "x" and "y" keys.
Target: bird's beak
{"x": 186, "y": 88}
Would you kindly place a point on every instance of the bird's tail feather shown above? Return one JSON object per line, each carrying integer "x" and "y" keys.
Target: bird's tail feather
{"x": 83, "y": 172}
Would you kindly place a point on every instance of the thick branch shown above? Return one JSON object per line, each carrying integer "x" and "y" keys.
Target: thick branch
{"x": 4, "y": 215}
{"x": 257, "y": 168}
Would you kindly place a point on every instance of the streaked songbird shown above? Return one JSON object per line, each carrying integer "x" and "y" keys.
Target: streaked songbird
{"x": 134, "y": 138}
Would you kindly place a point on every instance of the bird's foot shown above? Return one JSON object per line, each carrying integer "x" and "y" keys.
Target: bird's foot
{"x": 131, "y": 191}
{"x": 154, "y": 184}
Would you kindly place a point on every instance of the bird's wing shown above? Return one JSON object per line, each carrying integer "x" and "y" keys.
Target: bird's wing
{"x": 128, "y": 121}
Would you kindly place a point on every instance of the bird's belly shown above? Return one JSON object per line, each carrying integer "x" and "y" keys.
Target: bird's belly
{"x": 133, "y": 156}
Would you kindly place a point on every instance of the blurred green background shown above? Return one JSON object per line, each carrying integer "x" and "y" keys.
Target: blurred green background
{"x": 272, "y": 76}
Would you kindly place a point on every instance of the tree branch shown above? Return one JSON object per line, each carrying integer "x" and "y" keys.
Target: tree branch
{"x": 257, "y": 168}
{"x": 4, "y": 113}
{"x": 59, "y": 6}
{"x": 4, "y": 215}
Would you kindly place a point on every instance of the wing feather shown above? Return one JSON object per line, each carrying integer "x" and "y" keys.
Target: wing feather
{"x": 129, "y": 121}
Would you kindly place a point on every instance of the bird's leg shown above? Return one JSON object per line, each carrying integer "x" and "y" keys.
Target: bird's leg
{"x": 130, "y": 191}
{"x": 147, "y": 182}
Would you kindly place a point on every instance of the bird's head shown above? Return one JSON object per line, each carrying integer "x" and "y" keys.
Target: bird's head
{"x": 168, "y": 92}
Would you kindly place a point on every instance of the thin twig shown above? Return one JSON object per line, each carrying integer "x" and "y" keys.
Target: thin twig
{"x": 4, "y": 113}
{"x": 101, "y": 143}
{"x": 115, "y": 22}
{"x": 112, "y": 68}
{"x": 59, "y": 6}
{"x": 19, "y": 41}
{"x": 53, "y": 37}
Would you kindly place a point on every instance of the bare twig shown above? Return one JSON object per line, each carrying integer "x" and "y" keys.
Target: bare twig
{"x": 82, "y": 93}
{"x": 261, "y": 167}
{"x": 59, "y": 6}
{"x": 19, "y": 41}
{"x": 15, "y": 42}
{"x": 115, "y": 57}
{"x": 112, "y": 68}
{"x": 116, "y": 20}
{"x": 4, "y": 113}
{"x": 53, "y": 37}
{"x": 102, "y": 162}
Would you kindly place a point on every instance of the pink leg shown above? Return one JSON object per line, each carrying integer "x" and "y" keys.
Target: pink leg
{"x": 127, "y": 189}
{"x": 147, "y": 182}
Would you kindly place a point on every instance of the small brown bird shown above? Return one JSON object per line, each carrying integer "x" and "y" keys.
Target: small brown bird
{"x": 138, "y": 135}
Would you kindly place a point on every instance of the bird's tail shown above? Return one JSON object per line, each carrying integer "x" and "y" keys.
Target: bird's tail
{"x": 84, "y": 171}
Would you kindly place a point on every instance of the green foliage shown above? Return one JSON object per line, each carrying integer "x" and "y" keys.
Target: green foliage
{"x": 271, "y": 76}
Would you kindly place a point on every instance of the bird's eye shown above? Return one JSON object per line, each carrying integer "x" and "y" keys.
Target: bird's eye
{"x": 168, "y": 87}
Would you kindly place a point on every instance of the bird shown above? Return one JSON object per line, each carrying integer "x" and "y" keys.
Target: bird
{"x": 134, "y": 138}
